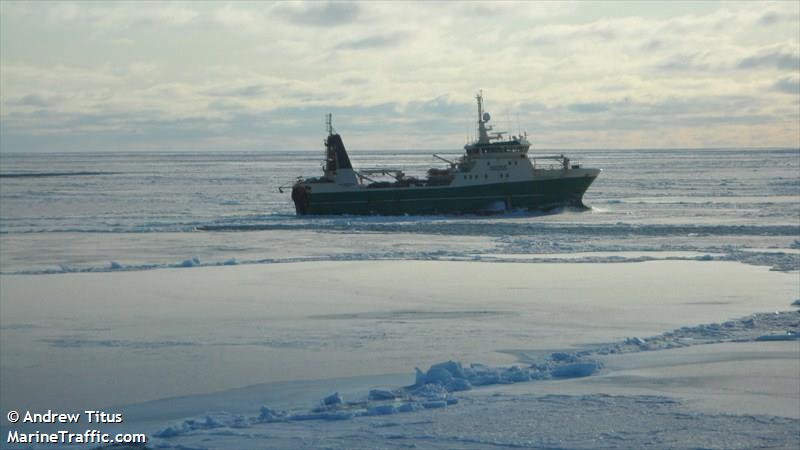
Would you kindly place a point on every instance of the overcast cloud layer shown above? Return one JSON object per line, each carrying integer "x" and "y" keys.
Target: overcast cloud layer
{"x": 251, "y": 76}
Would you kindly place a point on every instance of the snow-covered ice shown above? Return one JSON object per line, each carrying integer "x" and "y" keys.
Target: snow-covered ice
{"x": 252, "y": 324}
{"x": 232, "y": 327}
{"x": 435, "y": 388}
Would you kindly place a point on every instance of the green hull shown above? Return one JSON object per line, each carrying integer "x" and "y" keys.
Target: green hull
{"x": 530, "y": 195}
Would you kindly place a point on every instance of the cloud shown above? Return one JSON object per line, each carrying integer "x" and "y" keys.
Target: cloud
{"x": 355, "y": 81}
{"x": 587, "y": 107}
{"x": 779, "y": 58}
{"x": 32, "y": 100}
{"x": 687, "y": 62}
{"x": 600, "y": 30}
{"x": 320, "y": 14}
{"x": 652, "y": 45}
{"x": 252, "y": 90}
{"x": 628, "y": 114}
{"x": 226, "y": 105}
{"x": 108, "y": 16}
{"x": 397, "y": 74}
{"x": 375, "y": 41}
{"x": 769, "y": 18}
{"x": 238, "y": 18}
{"x": 439, "y": 109}
{"x": 789, "y": 13}
{"x": 788, "y": 85}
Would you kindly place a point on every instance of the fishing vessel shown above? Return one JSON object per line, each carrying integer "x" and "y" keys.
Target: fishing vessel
{"x": 495, "y": 174}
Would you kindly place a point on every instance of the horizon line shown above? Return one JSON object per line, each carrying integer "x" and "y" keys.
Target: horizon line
{"x": 53, "y": 152}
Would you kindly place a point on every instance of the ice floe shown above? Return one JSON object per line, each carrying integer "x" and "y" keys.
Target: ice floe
{"x": 436, "y": 387}
{"x": 506, "y": 250}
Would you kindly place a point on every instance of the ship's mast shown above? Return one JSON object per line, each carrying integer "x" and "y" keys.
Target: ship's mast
{"x": 479, "y": 97}
{"x": 330, "y": 155}
{"x": 483, "y": 135}
{"x": 329, "y": 123}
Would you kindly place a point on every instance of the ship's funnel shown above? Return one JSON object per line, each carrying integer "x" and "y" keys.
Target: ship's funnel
{"x": 342, "y": 160}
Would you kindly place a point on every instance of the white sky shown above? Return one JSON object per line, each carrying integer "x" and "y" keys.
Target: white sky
{"x": 102, "y": 76}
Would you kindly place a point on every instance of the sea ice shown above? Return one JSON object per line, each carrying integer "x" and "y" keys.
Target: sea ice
{"x": 267, "y": 414}
{"x": 383, "y": 394}
{"x": 190, "y": 262}
{"x": 333, "y": 400}
{"x": 434, "y": 387}
{"x": 563, "y": 357}
{"x": 779, "y": 336}
{"x": 337, "y": 415}
{"x": 435, "y": 404}
{"x": 189, "y": 425}
{"x": 576, "y": 370}
{"x": 381, "y": 410}
{"x": 409, "y": 407}
{"x": 429, "y": 391}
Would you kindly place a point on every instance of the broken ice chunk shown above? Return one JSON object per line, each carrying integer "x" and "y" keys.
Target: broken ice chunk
{"x": 383, "y": 394}
{"x": 333, "y": 400}
{"x": 576, "y": 370}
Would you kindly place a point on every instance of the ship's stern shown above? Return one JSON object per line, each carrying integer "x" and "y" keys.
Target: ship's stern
{"x": 300, "y": 197}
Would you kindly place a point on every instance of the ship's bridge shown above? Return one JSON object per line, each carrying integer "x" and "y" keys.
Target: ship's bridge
{"x": 516, "y": 147}
{"x": 493, "y": 145}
